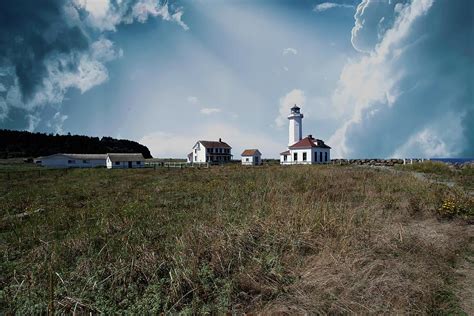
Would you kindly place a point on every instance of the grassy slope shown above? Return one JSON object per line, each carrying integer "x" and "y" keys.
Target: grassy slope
{"x": 298, "y": 239}
{"x": 439, "y": 171}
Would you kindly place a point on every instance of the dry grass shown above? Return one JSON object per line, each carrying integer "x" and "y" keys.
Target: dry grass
{"x": 303, "y": 239}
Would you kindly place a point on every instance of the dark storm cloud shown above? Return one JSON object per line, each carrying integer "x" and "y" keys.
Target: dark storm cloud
{"x": 50, "y": 46}
{"x": 30, "y": 32}
{"x": 428, "y": 108}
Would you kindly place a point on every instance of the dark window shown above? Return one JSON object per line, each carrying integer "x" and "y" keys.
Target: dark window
{"x": 117, "y": 162}
{"x": 295, "y": 157}
{"x": 304, "y": 156}
{"x": 325, "y": 156}
{"x": 138, "y": 162}
{"x": 321, "y": 156}
{"x": 284, "y": 157}
{"x": 246, "y": 159}
{"x": 38, "y": 161}
{"x": 71, "y": 161}
{"x": 85, "y": 161}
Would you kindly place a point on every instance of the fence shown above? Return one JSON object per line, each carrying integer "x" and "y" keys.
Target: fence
{"x": 172, "y": 164}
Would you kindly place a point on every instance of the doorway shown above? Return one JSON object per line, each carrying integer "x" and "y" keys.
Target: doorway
{"x": 130, "y": 164}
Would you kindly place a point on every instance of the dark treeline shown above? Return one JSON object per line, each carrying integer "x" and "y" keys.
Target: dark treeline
{"x": 25, "y": 144}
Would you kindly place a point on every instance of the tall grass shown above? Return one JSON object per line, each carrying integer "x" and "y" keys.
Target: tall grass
{"x": 318, "y": 239}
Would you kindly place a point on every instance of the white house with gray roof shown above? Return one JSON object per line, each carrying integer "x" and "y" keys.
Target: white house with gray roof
{"x": 125, "y": 161}
{"x": 215, "y": 152}
{"x": 72, "y": 160}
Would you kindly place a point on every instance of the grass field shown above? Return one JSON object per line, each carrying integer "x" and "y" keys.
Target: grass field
{"x": 316, "y": 239}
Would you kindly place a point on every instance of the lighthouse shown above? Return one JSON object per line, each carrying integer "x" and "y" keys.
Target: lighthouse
{"x": 305, "y": 151}
{"x": 296, "y": 126}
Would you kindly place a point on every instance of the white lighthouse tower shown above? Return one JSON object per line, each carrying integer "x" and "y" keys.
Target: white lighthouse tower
{"x": 296, "y": 125}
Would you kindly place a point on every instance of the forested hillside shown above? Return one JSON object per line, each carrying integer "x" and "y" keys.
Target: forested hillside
{"x": 26, "y": 144}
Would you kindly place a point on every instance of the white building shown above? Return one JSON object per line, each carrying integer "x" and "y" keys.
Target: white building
{"x": 251, "y": 157}
{"x": 72, "y": 160}
{"x": 215, "y": 152}
{"x": 306, "y": 150}
{"x": 125, "y": 161}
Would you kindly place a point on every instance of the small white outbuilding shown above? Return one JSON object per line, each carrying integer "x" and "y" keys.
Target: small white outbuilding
{"x": 72, "y": 160}
{"x": 125, "y": 161}
{"x": 251, "y": 157}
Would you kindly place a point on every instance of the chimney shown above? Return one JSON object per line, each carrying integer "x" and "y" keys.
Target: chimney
{"x": 310, "y": 136}
{"x": 220, "y": 140}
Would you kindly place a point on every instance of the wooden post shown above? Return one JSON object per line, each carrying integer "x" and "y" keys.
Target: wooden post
{"x": 51, "y": 291}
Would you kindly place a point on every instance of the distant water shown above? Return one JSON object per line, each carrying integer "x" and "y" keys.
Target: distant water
{"x": 454, "y": 160}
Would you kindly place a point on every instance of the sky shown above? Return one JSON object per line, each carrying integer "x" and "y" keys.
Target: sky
{"x": 373, "y": 78}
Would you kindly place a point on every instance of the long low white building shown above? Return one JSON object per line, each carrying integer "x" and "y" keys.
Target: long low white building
{"x": 72, "y": 160}
{"x": 111, "y": 160}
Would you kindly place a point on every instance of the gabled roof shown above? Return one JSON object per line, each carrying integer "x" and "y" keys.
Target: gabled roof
{"x": 77, "y": 156}
{"x": 250, "y": 152}
{"x": 309, "y": 142}
{"x": 285, "y": 153}
{"x": 214, "y": 144}
{"x": 126, "y": 157}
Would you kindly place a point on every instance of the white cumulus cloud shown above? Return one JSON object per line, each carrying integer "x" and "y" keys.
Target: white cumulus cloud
{"x": 290, "y": 50}
{"x": 295, "y": 96}
{"x": 209, "y": 111}
{"x": 330, "y": 5}
{"x": 57, "y": 122}
{"x": 193, "y": 100}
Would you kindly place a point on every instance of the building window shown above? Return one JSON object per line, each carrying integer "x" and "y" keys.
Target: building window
{"x": 246, "y": 159}
{"x": 117, "y": 163}
{"x": 138, "y": 162}
{"x": 71, "y": 161}
{"x": 285, "y": 157}
{"x": 304, "y": 156}
{"x": 321, "y": 156}
{"x": 85, "y": 161}
{"x": 295, "y": 157}
{"x": 196, "y": 158}
{"x": 325, "y": 156}
{"x": 195, "y": 151}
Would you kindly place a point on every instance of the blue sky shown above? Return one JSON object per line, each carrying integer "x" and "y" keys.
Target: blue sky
{"x": 373, "y": 78}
